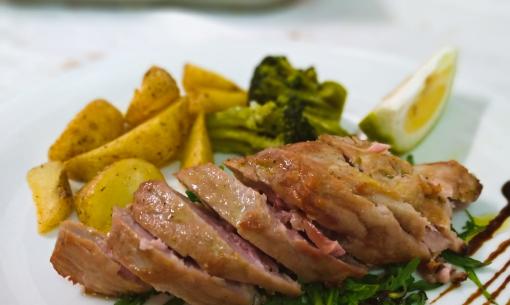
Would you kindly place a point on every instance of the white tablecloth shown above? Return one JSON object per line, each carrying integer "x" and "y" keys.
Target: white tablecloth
{"x": 40, "y": 42}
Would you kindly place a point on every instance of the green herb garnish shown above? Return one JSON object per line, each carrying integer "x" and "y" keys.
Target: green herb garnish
{"x": 469, "y": 265}
{"x": 192, "y": 196}
{"x": 471, "y": 228}
{"x": 135, "y": 299}
{"x": 410, "y": 159}
{"x": 394, "y": 286}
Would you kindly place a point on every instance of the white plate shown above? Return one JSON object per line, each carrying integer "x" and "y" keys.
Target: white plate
{"x": 474, "y": 130}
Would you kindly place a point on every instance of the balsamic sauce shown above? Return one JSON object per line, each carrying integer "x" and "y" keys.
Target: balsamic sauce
{"x": 478, "y": 292}
{"x": 478, "y": 241}
{"x": 493, "y": 226}
{"x": 501, "y": 287}
{"x": 444, "y": 292}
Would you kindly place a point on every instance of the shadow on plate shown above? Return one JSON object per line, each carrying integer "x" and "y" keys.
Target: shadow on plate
{"x": 453, "y": 136}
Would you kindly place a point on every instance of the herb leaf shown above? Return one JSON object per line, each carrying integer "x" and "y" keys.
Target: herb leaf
{"x": 192, "y": 196}
{"x": 471, "y": 228}
{"x": 474, "y": 278}
{"x": 400, "y": 278}
{"x": 461, "y": 261}
{"x": 423, "y": 286}
{"x": 135, "y": 299}
{"x": 410, "y": 159}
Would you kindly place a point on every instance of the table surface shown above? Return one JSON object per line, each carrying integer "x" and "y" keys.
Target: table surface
{"x": 41, "y": 42}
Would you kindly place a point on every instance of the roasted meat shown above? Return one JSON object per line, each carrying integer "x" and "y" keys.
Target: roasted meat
{"x": 374, "y": 203}
{"x": 151, "y": 260}
{"x": 194, "y": 232}
{"x": 264, "y": 226}
{"x": 81, "y": 255}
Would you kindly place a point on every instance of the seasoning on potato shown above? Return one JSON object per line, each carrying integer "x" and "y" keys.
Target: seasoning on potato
{"x": 157, "y": 140}
{"x": 114, "y": 186}
{"x": 212, "y": 100}
{"x": 96, "y": 124}
{"x": 195, "y": 77}
{"x": 198, "y": 149}
{"x": 157, "y": 92}
{"x": 51, "y": 194}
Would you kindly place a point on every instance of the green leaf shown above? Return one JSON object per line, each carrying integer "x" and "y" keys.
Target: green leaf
{"x": 136, "y": 299}
{"x": 461, "y": 261}
{"x": 192, "y": 196}
{"x": 410, "y": 159}
{"x": 474, "y": 278}
{"x": 423, "y": 285}
{"x": 470, "y": 228}
{"x": 419, "y": 298}
{"x": 401, "y": 277}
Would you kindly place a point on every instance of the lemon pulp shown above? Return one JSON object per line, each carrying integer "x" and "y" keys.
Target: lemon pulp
{"x": 429, "y": 100}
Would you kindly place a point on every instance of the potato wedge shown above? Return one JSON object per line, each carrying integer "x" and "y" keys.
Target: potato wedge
{"x": 51, "y": 193}
{"x": 96, "y": 124}
{"x": 211, "y": 100}
{"x": 157, "y": 92}
{"x": 114, "y": 186}
{"x": 157, "y": 140}
{"x": 198, "y": 149}
{"x": 195, "y": 77}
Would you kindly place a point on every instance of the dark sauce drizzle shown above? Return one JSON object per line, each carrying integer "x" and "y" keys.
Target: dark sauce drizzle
{"x": 477, "y": 242}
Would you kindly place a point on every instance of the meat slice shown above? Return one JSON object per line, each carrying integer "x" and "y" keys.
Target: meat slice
{"x": 407, "y": 184}
{"x": 193, "y": 231}
{"x": 256, "y": 221}
{"x": 455, "y": 181}
{"x": 81, "y": 255}
{"x": 155, "y": 263}
{"x": 367, "y": 229}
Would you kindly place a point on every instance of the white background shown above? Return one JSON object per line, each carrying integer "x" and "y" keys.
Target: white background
{"x": 40, "y": 42}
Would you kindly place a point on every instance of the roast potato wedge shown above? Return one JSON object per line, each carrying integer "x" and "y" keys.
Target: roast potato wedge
{"x": 96, "y": 124}
{"x": 51, "y": 194}
{"x": 114, "y": 186}
{"x": 157, "y": 140}
{"x": 211, "y": 100}
{"x": 157, "y": 92}
{"x": 195, "y": 77}
{"x": 198, "y": 149}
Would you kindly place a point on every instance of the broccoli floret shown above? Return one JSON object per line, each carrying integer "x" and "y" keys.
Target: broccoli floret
{"x": 246, "y": 130}
{"x": 276, "y": 80}
{"x": 288, "y": 105}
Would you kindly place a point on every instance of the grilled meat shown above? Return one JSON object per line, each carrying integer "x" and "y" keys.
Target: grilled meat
{"x": 151, "y": 260}
{"x": 192, "y": 231}
{"x": 81, "y": 255}
{"x": 264, "y": 226}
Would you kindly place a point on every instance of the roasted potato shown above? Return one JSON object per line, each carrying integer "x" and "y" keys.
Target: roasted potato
{"x": 157, "y": 92}
{"x": 198, "y": 149}
{"x": 194, "y": 78}
{"x": 157, "y": 140}
{"x": 96, "y": 124}
{"x": 114, "y": 186}
{"x": 51, "y": 193}
{"x": 212, "y": 100}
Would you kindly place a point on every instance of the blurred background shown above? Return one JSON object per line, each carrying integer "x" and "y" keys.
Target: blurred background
{"x": 40, "y": 40}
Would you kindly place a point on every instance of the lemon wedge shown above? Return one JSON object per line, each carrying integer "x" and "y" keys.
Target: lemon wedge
{"x": 404, "y": 117}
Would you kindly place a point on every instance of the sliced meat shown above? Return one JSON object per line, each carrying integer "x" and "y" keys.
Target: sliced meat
{"x": 402, "y": 182}
{"x": 368, "y": 230}
{"x": 260, "y": 224}
{"x": 155, "y": 263}
{"x": 81, "y": 255}
{"x": 192, "y": 231}
{"x": 456, "y": 182}
{"x": 438, "y": 271}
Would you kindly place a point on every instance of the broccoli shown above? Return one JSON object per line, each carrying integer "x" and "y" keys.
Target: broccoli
{"x": 246, "y": 130}
{"x": 288, "y": 105}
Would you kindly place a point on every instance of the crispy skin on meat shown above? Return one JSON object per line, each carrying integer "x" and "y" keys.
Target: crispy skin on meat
{"x": 81, "y": 255}
{"x": 456, "y": 182}
{"x": 407, "y": 183}
{"x": 256, "y": 221}
{"x": 369, "y": 231}
{"x": 159, "y": 266}
{"x": 192, "y": 231}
